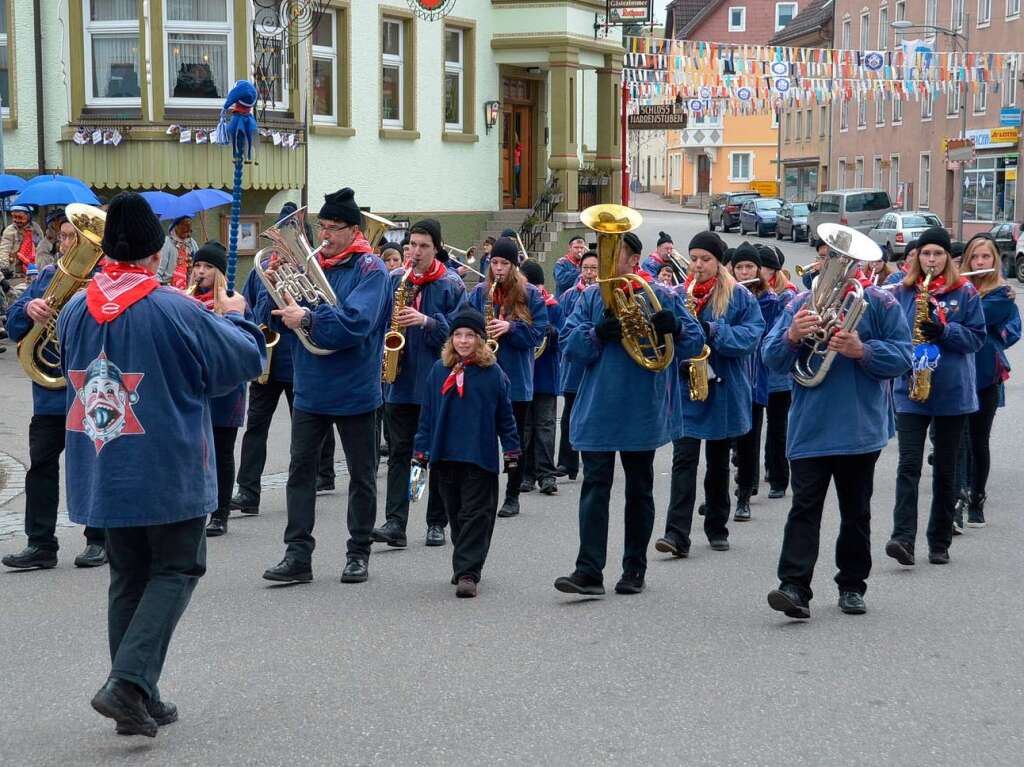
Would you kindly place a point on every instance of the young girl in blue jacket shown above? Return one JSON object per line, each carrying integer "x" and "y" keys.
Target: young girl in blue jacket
{"x": 991, "y": 369}
{"x": 954, "y": 329}
{"x": 466, "y": 409}
{"x": 733, "y": 327}
{"x": 780, "y": 385}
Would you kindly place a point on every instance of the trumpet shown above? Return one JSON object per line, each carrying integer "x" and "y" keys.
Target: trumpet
{"x": 802, "y": 270}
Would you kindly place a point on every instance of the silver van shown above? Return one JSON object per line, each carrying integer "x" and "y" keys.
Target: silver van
{"x": 861, "y": 209}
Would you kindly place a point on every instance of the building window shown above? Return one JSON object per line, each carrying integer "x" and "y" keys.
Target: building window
{"x": 984, "y": 12}
{"x": 799, "y": 126}
{"x": 454, "y": 78}
{"x": 738, "y": 19}
{"x": 270, "y": 66}
{"x": 1012, "y": 9}
{"x": 822, "y": 121}
{"x": 990, "y": 189}
{"x": 876, "y": 169}
{"x": 862, "y": 112}
{"x": 901, "y": 14}
{"x": 858, "y": 173}
{"x": 897, "y": 110}
{"x": 784, "y": 13}
{"x": 865, "y": 32}
{"x": 931, "y": 12}
{"x": 842, "y": 173}
{"x": 810, "y": 124}
{"x": 894, "y": 175}
{"x": 675, "y": 171}
{"x": 953, "y": 101}
{"x": 740, "y": 163}
{"x": 844, "y": 116}
{"x": 393, "y": 74}
{"x": 325, "y": 69}
{"x": 879, "y": 110}
{"x": 847, "y": 35}
{"x": 927, "y": 106}
{"x": 5, "y": 66}
{"x": 981, "y": 100}
{"x": 111, "y": 52}
{"x": 956, "y": 17}
{"x": 883, "y": 28}
{"x": 787, "y": 133}
{"x": 924, "y": 182}
{"x": 198, "y": 41}
{"x": 1010, "y": 83}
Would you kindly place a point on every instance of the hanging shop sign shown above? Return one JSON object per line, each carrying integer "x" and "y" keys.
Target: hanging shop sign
{"x": 432, "y": 10}
{"x": 658, "y": 117}
{"x": 629, "y": 11}
{"x": 960, "y": 149}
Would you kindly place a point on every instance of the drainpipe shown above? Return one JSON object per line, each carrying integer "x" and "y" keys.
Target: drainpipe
{"x": 37, "y": 41}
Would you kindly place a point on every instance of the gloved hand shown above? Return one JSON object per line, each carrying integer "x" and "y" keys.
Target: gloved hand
{"x": 609, "y": 328}
{"x": 511, "y": 461}
{"x": 665, "y": 323}
{"x": 932, "y": 331}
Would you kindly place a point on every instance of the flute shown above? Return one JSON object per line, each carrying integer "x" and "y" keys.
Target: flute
{"x": 895, "y": 285}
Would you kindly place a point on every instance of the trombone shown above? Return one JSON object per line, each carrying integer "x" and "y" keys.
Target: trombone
{"x": 469, "y": 259}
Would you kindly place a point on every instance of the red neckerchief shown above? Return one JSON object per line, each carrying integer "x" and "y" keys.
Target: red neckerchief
{"x": 206, "y": 298}
{"x": 775, "y": 283}
{"x": 701, "y": 292}
{"x": 581, "y": 285}
{"x": 111, "y": 291}
{"x": 359, "y": 246}
{"x": 436, "y": 271}
{"x": 27, "y": 249}
{"x": 549, "y": 300}
{"x": 938, "y": 287}
{"x": 179, "y": 279}
{"x": 457, "y": 377}
{"x": 660, "y": 261}
{"x": 644, "y": 275}
{"x": 864, "y": 280}
{"x": 574, "y": 261}
{"x": 498, "y": 301}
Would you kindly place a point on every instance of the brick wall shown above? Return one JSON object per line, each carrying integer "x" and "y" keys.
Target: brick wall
{"x": 760, "y": 26}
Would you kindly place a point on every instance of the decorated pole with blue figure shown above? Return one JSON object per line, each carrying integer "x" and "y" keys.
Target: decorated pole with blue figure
{"x": 238, "y": 128}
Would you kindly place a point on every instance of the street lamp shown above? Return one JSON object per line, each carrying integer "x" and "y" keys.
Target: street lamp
{"x": 957, "y": 37}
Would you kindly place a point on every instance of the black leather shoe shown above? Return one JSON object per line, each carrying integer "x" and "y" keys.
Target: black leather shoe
{"x": 94, "y": 555}
{"x": 939, "y": 556}
{"x": 31, "y": 558}
{"x": 900, "y": 551}
{"x": 124, "y": 703}
{"x": 786, "y": 599}
{"x": 355, "y": 571}
{"x": 435, "y": 535}
{"x": 742, "y": 511}
{"x": 467, "y": 588}
{"x": 630, "y": 583}
{"x": 526, "y": 486}
{"x": 669, "y": 545}
{"x": 852, "y": 603}
{"x": 719, "y": 544}
{"x": 391, "y": 533}
{"x": 290, "y": 570}
{"x": 777, "y": 492}
{"x": 163, "y": 714}
{"x": 578, "y": 583}
{"x": 548, "y": 486}
{"x": 218, "y": 524}
{"x": 245, "y": 503}
{"x": 509, "y": 508}
{"x": 325, "y": 485}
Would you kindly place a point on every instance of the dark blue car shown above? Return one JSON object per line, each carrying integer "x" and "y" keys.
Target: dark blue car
{"x": 760, "y": 215}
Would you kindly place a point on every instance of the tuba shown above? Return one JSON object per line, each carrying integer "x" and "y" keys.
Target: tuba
{"x": 394, "y": 339}
{"x": 374, "y": 227}
{"x": 39, "y": 350}
{"x": 633, "y": 308}
{"x": 837, "y": 298}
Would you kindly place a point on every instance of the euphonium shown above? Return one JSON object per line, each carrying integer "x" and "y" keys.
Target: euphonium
{"x": 489, "y": 315}
{"x": 39, "y": 350}
{"x": 394, "y": 339}
{"x": 632, "y": 307}
{"x": 698, "y": 373}
{"x": 374, "y": 227}
{"x": 921, "y": 376}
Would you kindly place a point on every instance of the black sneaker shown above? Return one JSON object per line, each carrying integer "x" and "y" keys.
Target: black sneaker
{"x": 526, "y": 486}
{"x": 435, "y": 535}
{"x": 787, "y": 600}
{"x": 509, "y": 508}
{"x": 630, "y": 583}
{"x": 901, "y": 552}
{"x": 289, "y": 570}
{"x": 245, "y": 503}
{"x": 548, "y": 486}
{"x": 852, "y": 603}
{"x": 31, "y": 558}
{"x": 355, "y": 571}
{"x": 578, "y": 583}
{"x": 976, "y": 511}
{"x": 391, "y": 533}
{"x": 670, "y": 545}
{"x": 94, "y": 555}
{"x": 742, "y": 511}
{"x": 939, "y": 556}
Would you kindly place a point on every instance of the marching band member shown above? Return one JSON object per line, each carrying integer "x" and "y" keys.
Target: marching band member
{"x": 570, "y": 372}
{"x": 485, "y": 259}
{"x": 465, "y": 392}
{"x": 658, "y": 260}
{"x": 780, "y": 385}
{"x": 391, "y": 254}
{"x": 836, "y": 432}
{"x": 621, "y": 408}
{"x": 733, "y": 326}
{"x": 992, "y": 369}
{"x": 539, "y": 447}
{"x": 46, "y": 439}
{"x": 433, "y": 294}
{"x": 567, "y": 268}
{"x": 665, "y": 275}
{"x": 340, "y": 389}
{"x": 821, "y": 253}
{"x": 910, "y": 256}
{"x": 518, "y": 321}
{"x": 746, "y": 265}
{"x": 953, "y": 326}
{"x": 143, "y": 363}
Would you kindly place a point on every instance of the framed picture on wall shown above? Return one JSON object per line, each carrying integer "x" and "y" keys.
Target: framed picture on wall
{"x": 248, "y": 233}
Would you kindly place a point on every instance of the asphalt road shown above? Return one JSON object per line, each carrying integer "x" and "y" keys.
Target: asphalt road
{"x": 696, "y": 670}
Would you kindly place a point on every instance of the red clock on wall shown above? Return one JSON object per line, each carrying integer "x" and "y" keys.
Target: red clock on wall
{"x": 432, "y": 9}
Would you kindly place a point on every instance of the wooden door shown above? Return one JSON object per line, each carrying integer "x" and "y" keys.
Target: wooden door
{"x": 517, "y": 145}
{"x": 703, "y": 174}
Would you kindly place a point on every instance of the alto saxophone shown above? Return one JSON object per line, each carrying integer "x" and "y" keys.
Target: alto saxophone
{"x": 699, "y": 364}
{"x": 489, "y": 315}
{"x": 921, "y": 376}
{"x": 394, "y": 339}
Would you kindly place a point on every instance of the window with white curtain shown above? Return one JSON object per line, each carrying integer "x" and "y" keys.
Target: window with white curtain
{"x": 879, "y": 110}
{"x": 5, "y": 69}
{"x": 842, "y": 173}
{"x": 198, "y": 50}
{"x": 865, "y": 32}
{"x": 858, "y": 173}
{"x": 740, "y": 166}
{"x": 931, "y": 12}
{"x": 953, "y": 101}
{"x": 883, "y": 28}
{"x": 111, "y": 52}
{"x": 862, "y": 112}
{"x": 894, "y": 175}
{"x": 844, "y": 116}
{"x": 877, "y": 173}
{"x": 454, "y": 78}
{"x": 901, "y": 14}
{"x": 897, "y": 110}
{"x": 822, "y": 121}
{"x": 393, "y": 76}
{"x": 325, "y": 69}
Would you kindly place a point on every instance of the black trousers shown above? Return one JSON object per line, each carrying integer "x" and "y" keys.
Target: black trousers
{"x": 539, "y": 442}
{"x": 748, "y": 454}
{"x": 567, "y": 457}
{"x": 402, "y": 422}
{"x": 358, "y": 440}
{"x": 776, "y": 465}
{"x": 595, "y": 496}
{"x": 471, "y": 496}
{"x": 224, "y": 452}
{"x": 912, "y": 429}
{"x": 854, "y": 477}
{"x": 42, "y": 484}
{"x": 263, "y": 399}
{"x": 153, "y": 572}
{"x": 975, "y": 455}
{"x": 683, "y": 489}
{"x": 515, "y": 477}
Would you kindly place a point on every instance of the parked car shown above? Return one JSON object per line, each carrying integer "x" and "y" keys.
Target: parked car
{"x": 861, "y": 209}
{"x": 759, "y": 215}
{"x": 895, "y": 230}
{"x": 792, "y": 221}
{"x": 1017, "y": 269}
{"x": 724, "y": 210}
{"x": 1007, "y": 236}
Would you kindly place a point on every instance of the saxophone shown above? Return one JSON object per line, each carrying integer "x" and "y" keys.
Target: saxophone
{"x": 698, "y": 365}
{"x": 921, "y": 376}
{"x": 489, "y": 315}
{"x": 394, "y": 339}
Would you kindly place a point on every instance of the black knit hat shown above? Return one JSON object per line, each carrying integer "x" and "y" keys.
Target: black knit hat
{"x": 728, "y": 256}
{"x": 579, "y": 237}
{"x": 506, "y": 248}
{"x": 769, "y": 257}
{"x": 935, "y": 236}
{"x": 287, "y": 209}
{"x": 664, "y": 237}
{"x": 214, "y": 254}
{"x": 468, "y": 317}
{"x": 132, "y": 231}
{"x": 746, "y": 252}
{"x": 341, "y": 206}
{"x": 912, "y": 245}
{"x": 533, "y": 272}
{"x": 430, "y": 227}
{"x": 388, "y": 245}
{"x": 508, "y": 233}
{"x": 633, "y": 243}
{"x": 957, "y": 251}
{"x": 710, "y": 242}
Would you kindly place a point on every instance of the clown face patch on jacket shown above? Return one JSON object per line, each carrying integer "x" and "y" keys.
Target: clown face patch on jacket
{"x": 102, "y": 407}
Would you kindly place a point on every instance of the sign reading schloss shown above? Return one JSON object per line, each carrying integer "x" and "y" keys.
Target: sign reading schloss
{"x": 658, "y": 117}
{"x": 629, "y": 11}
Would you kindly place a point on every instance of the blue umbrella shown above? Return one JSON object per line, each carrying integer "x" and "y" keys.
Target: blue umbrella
{"x": 161, "y": 202}
{"x": 10, "y": 184}
{"x": 56, "y": 177}
{"x": 54, "y": 193}
{"x": 204, "y": 199}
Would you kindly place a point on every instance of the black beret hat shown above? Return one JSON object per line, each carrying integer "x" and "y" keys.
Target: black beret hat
{"x": 935, "y": 236}
{"x": 341, "y": 206}
{"x": 468, "y": 317}
{"x": 769, "y": 257}
{"x": 132, "y": 231}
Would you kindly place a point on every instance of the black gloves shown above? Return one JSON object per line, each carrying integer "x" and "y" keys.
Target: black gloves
{"x": 932, "y": 331}
{"x": 608, "y": 329}
{"x": 665, "y": 323}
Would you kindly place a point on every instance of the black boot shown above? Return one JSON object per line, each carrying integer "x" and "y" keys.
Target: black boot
{"x": 289, "y": 570}
{"x": 245, "y": 503}
{"x": 94, "y": 555}
{"x": 742, "y": 505}
{"x": 976, "y": 510}
{"x": 510, "y": 508}
{"x": 31, "y": 558}
{"x": 218, "y": 524}
{"x": 391, "y": 533}
{"x": 124, "y": 703}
